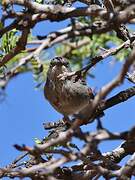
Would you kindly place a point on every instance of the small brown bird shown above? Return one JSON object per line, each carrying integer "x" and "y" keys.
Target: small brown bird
{"x": 67, "y": 92}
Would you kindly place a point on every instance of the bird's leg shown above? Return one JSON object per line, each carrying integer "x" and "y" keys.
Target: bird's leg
{"x": 66, "y": 120}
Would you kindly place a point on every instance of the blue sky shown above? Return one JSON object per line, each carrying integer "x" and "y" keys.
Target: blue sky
{"x": 25, "y": 110}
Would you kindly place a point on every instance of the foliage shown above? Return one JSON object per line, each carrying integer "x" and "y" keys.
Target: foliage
{"x": 8, "y": 42}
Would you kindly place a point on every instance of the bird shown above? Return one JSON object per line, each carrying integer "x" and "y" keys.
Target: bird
{"x": 66, "y": 90}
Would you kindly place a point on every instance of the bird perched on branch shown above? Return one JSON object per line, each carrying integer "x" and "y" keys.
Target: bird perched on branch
{"x": 66, "y": 90}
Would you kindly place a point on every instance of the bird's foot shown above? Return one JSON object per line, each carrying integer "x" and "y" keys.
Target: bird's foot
{"x": 67, "y": 120}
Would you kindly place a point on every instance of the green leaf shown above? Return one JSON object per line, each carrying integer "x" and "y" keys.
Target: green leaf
{"x": 39, "y": 1}
{"x": 37, "y": 141}
{"x": 9, "y": 41}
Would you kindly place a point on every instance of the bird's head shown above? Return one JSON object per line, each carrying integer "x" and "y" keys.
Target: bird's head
{"x": 59, "y": 61}
{"x": 58, "y": 65}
